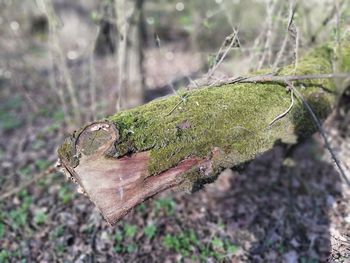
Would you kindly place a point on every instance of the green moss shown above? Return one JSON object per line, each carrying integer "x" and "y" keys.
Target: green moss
{"x": 67, "y": 152}
{"x": 320, "y": 102}
{"x": 318, "y": 61}
{"x": 343, "y": 56}
{"x": 234, "y": 118}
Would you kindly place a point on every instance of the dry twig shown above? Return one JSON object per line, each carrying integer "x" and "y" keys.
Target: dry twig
{"x": 286, "y": 112}
{"x": 292, "y": 9}
{"x": 183, "y": 99}
{"x": 282, "y": 79}
{"x": 271, "y": 9}
{"x": 49, "y": 11}
{"x": 228, "y": 43}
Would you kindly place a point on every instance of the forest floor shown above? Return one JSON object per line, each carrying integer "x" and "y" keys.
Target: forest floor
{"x": 289, "y": 205}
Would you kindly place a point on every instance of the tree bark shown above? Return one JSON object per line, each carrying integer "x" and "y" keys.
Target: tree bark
{"x": 186, "y": 141}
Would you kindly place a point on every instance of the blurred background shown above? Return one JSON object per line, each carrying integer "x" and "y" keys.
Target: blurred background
{"x": 64, "y": 63}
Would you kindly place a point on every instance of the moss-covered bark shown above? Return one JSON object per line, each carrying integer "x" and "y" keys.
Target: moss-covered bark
{"x": 234, "y": 118}
{"x": 227, "y": 125}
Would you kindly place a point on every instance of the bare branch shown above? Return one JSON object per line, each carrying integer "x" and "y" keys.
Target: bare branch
{"x": 286, "y": 112}
{"x": 292, "y": 9}
{"x": 231, "y": 39}
{"x": 322, "y": 132}
{"x": 282, "y": 79}
{"x": 49, "y": 11}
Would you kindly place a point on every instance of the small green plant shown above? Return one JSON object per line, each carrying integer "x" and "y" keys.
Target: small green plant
{"x": 188, "y": 245}
{"x": 58, "y": 116}
{"x": 38, "y": 144}
{"x": 207, "y": 24}
{"x": 24, "y": 171}
{"x": 60, "y": 248}
{"x": 150, "y": 231}
{"x": 186, "y": 21}
{"x": 231, "y": 249}
{"x": 88, "y": 229}
{"x": 183, "y": 243}
{"x": 130, "y": 230}
{"x": 57, "y": 232}
{"x": 50, "y": 129}
{"x": 131, "y": 248}
{"x": 141, "y": 208}
{"x": 19, "y": 215}
{"x": 217, "y": 249}
{"x": 123, "y": 239}
{"x": 44, "y": 111}
{"x": 118, "y": 245}
{"x": 4, "y": 255}
{"x": 165, "y": 204}
{"x": 40, "y": 217}
{"x": 9, "y": 120}
{"x": 217, "y": 243}
{"x": 65, "y": 194}
{"x": 42, "y": 164}
{"x": 2, "y": 230}
{"x": 281, "y": 248}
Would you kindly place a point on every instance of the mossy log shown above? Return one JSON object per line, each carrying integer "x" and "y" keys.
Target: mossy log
{"x": 123, "y": 160}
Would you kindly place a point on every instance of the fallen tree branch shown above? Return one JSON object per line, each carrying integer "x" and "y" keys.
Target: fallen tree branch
{"x": 135, "y": 154}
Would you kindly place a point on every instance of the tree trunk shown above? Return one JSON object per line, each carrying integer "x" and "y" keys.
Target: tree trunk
{"x": 186, "y": 142}
{"x": 135, "y": 89}
{"x": 129, "y": 56}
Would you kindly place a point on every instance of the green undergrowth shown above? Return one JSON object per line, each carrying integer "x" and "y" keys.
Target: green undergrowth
{"x": 186, "y": 243}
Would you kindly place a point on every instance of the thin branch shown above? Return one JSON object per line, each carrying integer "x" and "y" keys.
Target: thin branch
{"x": 282, "y": 79}
{"x": 286, "y": 112}
{"x": 271, "y": 7}
{"x": 327, "y": 19}
{"x": 49, "y": 11}
{"x": 183, "y": 99}
{"x": 292, "y": 9}
{"x": 296, "y": 50}
{"x": 92, "y": 73}
{"x": 233, "y": 37}
{"x": 323, "y": 134}
{"x": 59, "y": 91}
